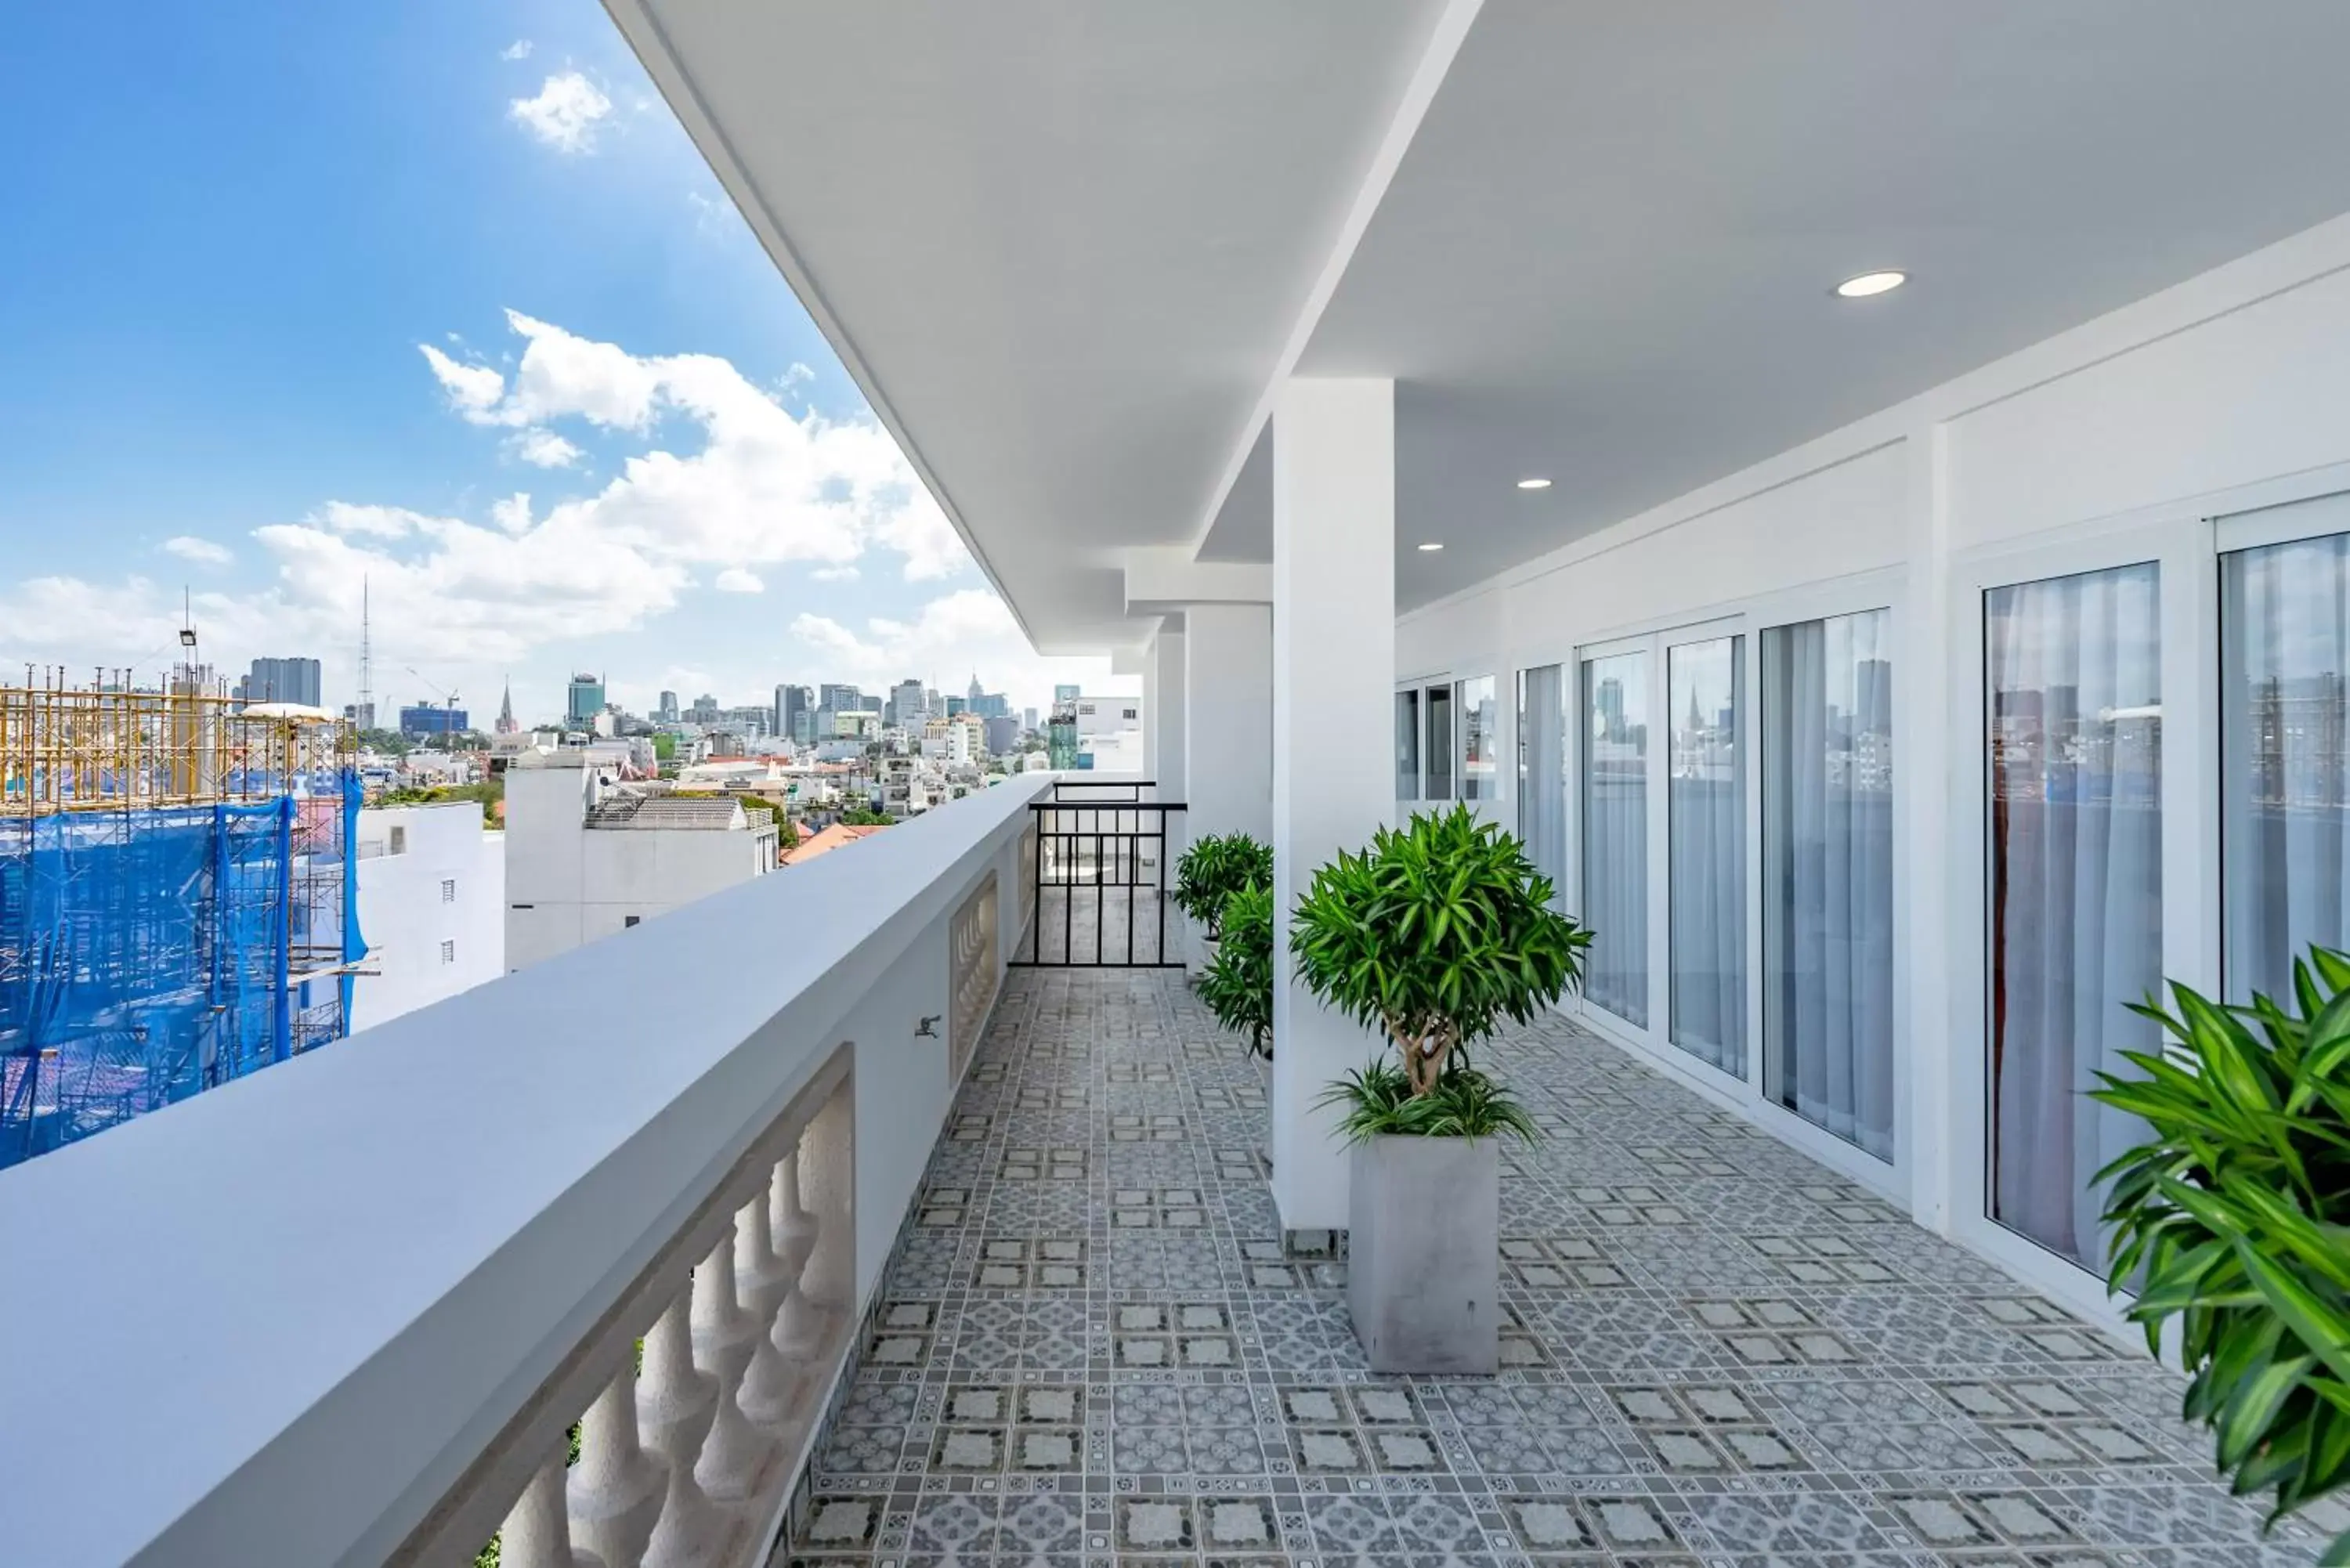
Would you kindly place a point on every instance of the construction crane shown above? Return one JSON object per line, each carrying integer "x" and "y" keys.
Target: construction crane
{"x": 448, "y": 701}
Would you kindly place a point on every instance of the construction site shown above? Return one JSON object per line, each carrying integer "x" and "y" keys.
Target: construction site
{"x": 176, "y": 897}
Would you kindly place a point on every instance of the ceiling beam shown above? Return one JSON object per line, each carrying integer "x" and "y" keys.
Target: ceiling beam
{"x": 1161, "y": 579}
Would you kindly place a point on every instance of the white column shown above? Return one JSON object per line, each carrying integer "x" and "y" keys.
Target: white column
{"x": 1228, "y": 718}
{"x": 1162, "y": 711}
{"x": 1333, "y": 682}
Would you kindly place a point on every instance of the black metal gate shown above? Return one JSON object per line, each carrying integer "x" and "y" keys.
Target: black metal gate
{"x": 1098, "y": 871}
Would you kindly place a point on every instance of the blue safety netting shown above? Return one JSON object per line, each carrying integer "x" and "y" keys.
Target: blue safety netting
{"x": 145, "y": 955}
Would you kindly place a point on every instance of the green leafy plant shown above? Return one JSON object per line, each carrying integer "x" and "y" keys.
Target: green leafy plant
{"x": 1378, "y": 1101}
{"x": 1215, "y": 866}
{"x": 1436, "y": 933}
{"x": 2233, "y": 1219}
{"x": 1237, "y": 985}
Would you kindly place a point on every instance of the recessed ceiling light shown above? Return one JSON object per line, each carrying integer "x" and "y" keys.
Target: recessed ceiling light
{"x": 1534, "y": 484}
{"x": 1431, "y": 545}
{"x": 1870, "y": 283}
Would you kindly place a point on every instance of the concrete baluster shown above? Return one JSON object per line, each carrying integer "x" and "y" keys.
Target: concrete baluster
{"x": 734, "y": 1453}
{"x": 795, "y": 1228}
{"x": 615, "y": 1488}
{"x": 761, "y": 1281}
{"x": 676, "y": 1406}
{"x": 537, "y": 1529}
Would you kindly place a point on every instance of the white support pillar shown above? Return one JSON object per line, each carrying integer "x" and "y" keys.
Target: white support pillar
{"x": 1162, "y": 711}
{"x": 1333, "y": 680}
{"x": 1228, "y": 718}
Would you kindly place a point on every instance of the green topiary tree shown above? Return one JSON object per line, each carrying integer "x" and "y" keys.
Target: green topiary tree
{"x": 2235, "y": 1219}
{"x": 1433, "y": 936}
{"x": 1238, "y": 984}
{"x": 1215, "y": 866}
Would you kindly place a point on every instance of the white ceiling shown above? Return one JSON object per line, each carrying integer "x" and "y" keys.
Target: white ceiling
{"x": 1063, "y": 255}
{"x": 1059, "y": 243}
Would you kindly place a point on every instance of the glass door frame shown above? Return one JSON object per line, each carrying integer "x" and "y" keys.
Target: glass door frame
{"x": 1881, "y": 590}
{"x": 1419, "y": 687}
{"x": 2182, "y": 550}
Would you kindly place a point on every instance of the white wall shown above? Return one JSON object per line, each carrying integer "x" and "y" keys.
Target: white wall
{"x": 1228, "y": 718}
{"x": 404, "y": 917}
{"x": 567, "y": 884}
{"x": 2229, "y": 391}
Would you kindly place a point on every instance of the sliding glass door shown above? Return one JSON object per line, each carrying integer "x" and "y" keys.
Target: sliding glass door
{"x": 1542, "y": 771}
{"x": 1406, "y": 741}
{"x": 2284, "y": 775}
{"x": 1480, "y": 739}
{"x": 1616, "y": 834}
{"x": 2073, "y": 750}
{"x": 1436, "y": 747}
{"x": 1706, "y": 823}
{"x": 1827, "y": 874}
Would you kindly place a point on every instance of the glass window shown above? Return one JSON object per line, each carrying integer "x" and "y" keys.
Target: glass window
{"x": 1706, "y": 828}
{"x": 1436, "y": 750}
{"x": 1407, "y": 740}
{"x": 1827, "y": 874}
{"x": 2073, "y": 690}
{"x": 1542, "y": 771}
{"x": 1480, "y": 740}
{"x": 2284, "y": 770}
{"x": 1616, "y": 834}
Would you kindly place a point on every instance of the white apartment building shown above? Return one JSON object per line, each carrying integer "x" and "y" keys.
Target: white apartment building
{"x": 431, "y": 907}
{"x": 587, "y": 856}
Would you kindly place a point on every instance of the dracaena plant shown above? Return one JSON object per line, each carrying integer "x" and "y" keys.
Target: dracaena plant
{"x": 1434, "y": 936}
{"x": 1215, "y": 866}
{"x": 1238, "y": 984}
{"x": 2233, "y": 1219}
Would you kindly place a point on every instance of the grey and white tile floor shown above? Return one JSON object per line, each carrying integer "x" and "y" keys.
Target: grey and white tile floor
{"x": 1091, "y": 1349}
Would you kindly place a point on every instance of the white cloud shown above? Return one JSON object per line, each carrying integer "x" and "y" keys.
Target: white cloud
{"x": 544, "y": 449}
{"x": 721, "y": 484}
{"x": 920, "y": 532}
{"x": 952, "y": 637}
{"x": 204, "y": 552}
{"x": 518, "y": 50}
{"x": 564, "y": 113}
{"x": 472, "y": 390}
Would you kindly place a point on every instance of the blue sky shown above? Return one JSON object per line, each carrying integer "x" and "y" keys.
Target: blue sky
{"x": 234, "y": 230}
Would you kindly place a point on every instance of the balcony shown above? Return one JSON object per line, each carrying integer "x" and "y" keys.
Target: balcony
{"x": 344, "y": 1311}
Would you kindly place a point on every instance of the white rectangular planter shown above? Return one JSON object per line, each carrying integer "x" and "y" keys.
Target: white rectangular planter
{"x": 1423, "y": 1254}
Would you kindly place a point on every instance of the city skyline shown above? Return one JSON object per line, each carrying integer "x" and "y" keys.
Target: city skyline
{"x": 546, "y": 395}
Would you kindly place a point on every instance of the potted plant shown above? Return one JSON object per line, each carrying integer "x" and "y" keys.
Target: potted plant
{"x": 1238, "y": 984}
{"x": 2234, "y": 1219}
{"x": 1214, "y": 867}
{"x": 1433, "y": 936}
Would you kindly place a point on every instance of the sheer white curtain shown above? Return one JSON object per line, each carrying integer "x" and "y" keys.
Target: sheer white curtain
{"x": 2284, "y": 656}
{"x": 1616, "y": 834}
{"x": 2074, "y": 746}
{"x": 1827, "y": 859}
{"x": 1541, "y": 772}
{"x": 1707, "y": 830}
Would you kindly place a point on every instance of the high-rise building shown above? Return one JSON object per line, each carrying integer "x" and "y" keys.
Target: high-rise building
{"x": 910, "y": 704}
{"x": 667, "y": 712}
{"x": 417, "y": 719}
{"x": 281, "y": 681}
{"x": 1065, "y": 694}
{"x": 1027, "y": 717}
{"x": 791, "y": 702}
{"x": 840, "y": 699}
{"x": 584, "y": 701}
{"x": 972, "y": 696}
